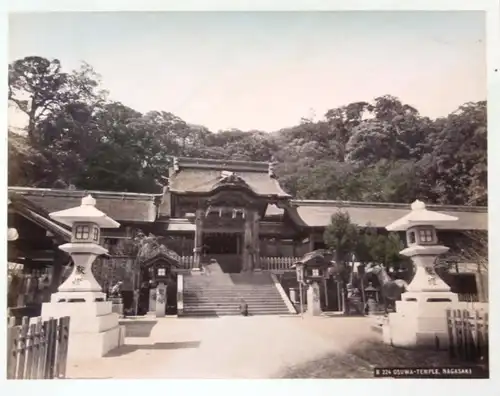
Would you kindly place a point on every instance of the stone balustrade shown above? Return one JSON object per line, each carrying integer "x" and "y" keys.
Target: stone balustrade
{"x": 266, "y": 263}
{"x": 278, "y": 263}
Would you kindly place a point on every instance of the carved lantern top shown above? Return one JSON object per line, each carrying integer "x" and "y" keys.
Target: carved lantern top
{"x": 85, "y": 213}
{"x": 420, "y": 216}
{"x": 420, "y": 225}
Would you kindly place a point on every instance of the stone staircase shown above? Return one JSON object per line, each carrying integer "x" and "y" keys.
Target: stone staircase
{"x": 215, "y": 293}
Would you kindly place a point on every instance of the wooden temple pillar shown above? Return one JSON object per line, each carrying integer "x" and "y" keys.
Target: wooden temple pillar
{"x": 251, "y": 246}
{"x": 247, "y": 240}
{"x": 198, "y": 239}
{"x": 256, "y": 242}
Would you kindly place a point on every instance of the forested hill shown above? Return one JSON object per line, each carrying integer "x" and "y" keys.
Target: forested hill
{"x": 380, "y": 150}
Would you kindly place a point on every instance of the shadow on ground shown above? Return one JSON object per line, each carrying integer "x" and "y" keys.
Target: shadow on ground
{"x": 158, "y": 346}
{"x": 139, "y": 328}
{"x": 359, "y": 361}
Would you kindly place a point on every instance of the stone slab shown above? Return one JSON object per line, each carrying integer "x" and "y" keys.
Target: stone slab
{"x": 87, "y": 309}
{"x": 84, "y": 346}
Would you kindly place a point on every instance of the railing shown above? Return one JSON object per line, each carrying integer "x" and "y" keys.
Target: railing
{"x": 266, "y": 263}
{"x": 468, "y": 297}
{"x": 277, "y": 263}
{"x": 186, "y": 262}
{"x": 468, "y": 334}
{"x": 38, "y": 350}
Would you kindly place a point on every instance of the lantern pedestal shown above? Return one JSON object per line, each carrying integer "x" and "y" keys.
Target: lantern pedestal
{"x": 161, "y": 300}
{"x": 313, "y": 300}
{"x": 94, "y": 327}
{"x": 420, "y": 317}
{"x": 152, "y": 301}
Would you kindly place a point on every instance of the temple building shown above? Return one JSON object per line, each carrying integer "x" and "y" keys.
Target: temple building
{"x": 234, "y": 212}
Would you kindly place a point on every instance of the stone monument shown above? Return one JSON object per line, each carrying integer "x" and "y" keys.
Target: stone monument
{"x": 94, "y": 328}
{"x": 313, "y": 300}
{"x": 420, "y": 317}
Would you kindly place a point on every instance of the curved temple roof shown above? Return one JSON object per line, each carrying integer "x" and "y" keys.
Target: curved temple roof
{"x": 318, "y": 213}
{"x": 194, "y": 175}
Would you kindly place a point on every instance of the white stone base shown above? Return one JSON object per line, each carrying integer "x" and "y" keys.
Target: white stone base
{"x": 93, "y": 330}
{"x": 77, "y": 296}
{"x": 313, "y": 300}
{"x": 196, "y": 271}
{"x": 419, "y": 320}
{"x": 84, "y": 346}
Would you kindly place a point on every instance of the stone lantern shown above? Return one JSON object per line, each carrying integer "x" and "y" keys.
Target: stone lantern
{"x": 420, "y": 317}
{"x": 94, "y": 329}
{"x": 371, "y": 294}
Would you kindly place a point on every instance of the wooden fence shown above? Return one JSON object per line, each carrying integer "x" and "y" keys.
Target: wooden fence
{"x": 468, "y": 334}
{"x": 468, "y": 297}
{"x": 38, "y": 350}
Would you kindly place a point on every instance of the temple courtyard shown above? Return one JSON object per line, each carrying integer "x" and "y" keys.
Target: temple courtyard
{"x": 235, "y": 347}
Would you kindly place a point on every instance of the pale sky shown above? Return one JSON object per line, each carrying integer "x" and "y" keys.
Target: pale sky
{"x": 265, "y": 71}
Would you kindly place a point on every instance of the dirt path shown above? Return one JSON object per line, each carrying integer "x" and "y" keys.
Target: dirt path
{"x": 226, "y": 347}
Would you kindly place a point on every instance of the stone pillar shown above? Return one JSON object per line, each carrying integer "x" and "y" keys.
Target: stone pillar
{"x": 311, "y": 242}
{"x": 161, "y": 300}
{"x": 198, "y": 238}
{"x": 152, "y": 300}
{"x": 482, "y": 284}
{"x": 313, "y": 300}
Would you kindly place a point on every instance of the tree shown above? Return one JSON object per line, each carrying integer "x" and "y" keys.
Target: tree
{"x": 341, "y": 236}
{"x": 382, "y": 150}
{"x": 27, "y": 166}
{"x": 36, "y": 86}
{"x": 458, "y": 161}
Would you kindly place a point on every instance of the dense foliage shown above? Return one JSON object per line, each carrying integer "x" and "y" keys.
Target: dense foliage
{"x": 351, "y": 243}
{"x": 382, "y": 150}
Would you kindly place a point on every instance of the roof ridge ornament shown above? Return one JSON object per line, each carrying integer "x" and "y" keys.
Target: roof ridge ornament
{"x": 225, "y": 174}
{"x": 88, "y": 201}
{"x": 270, "y": 169}
{"x": 417, "y": 205}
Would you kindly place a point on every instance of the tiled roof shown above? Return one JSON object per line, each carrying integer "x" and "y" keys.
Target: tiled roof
{"x": 119, "y": 206}
{"x": 38, "y": 215}
{"x": 272, "y": 211}
{"x": 318, "y": 213}
{"x": 192, "y": 175}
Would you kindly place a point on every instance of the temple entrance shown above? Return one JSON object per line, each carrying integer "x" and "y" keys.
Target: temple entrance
{"x": 221, "y": 243}
{"x": 225, "y": 248}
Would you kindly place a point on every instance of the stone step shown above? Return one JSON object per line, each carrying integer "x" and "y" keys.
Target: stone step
{"x": 210, "y": 290}
{"x": 233, "y": 312}
{"x": 229, "y": 300}
{"x": 235, "y": 306}
{"x": 232, "y": 298}
{"x": 212, "y": 314}
{"x": 231, "y": 293}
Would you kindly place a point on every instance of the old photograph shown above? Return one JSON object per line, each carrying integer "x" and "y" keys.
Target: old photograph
{"x": 247, "y": 195}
